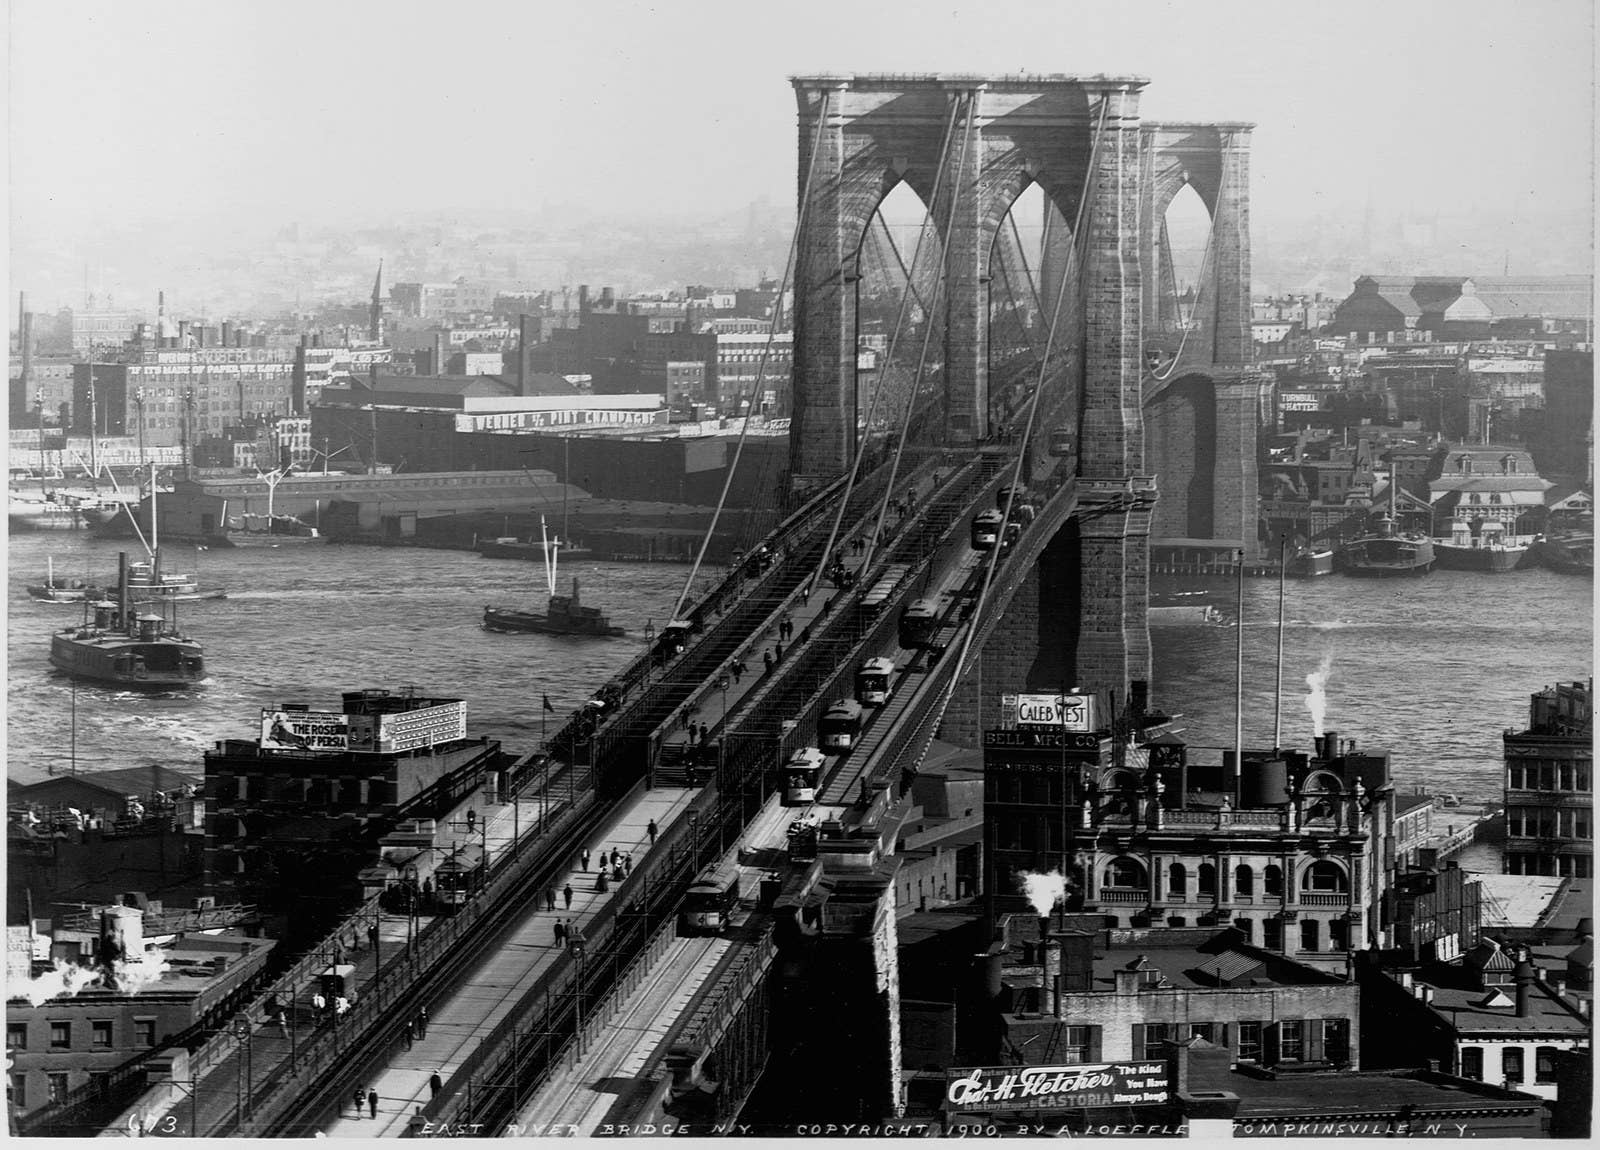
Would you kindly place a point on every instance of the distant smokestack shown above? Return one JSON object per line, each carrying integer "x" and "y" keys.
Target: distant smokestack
{"x": 438, "y": 353}
{"x": 607, "y": 299}
{"x": 227, "y": 334}
{"x": 26, "y": 335}
{"x": 583, "y": 301}
{"x": 522, "y": 354}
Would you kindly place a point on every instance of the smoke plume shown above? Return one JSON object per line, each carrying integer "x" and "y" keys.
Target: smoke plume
{"x": 1317, "y": 695}
{"x": 137, "y": 977}
{"x": 1043, "y": 890}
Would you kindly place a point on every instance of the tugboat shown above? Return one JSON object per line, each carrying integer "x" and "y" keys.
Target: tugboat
{"x": 565, "y": 615}
{"x": 1310, "y": 561}
{"x": 1567, "y": 554}
{"x": 115, "y": 646}
{"x": 1487, "y": 549}
{"x": 54, "y": 590}
{"x": 1387, "y": 551}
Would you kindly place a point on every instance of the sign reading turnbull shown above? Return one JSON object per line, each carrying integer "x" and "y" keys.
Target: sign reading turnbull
{"x": 993, "y": 1088}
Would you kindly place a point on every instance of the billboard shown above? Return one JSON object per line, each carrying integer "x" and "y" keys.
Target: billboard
{"x": 1058, "y": 712}
{"x": 996, "y": 1088}
{"x": 305, "y": 731}
{"x": 413, "y": 730}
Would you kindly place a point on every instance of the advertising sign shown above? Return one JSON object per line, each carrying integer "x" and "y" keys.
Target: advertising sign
{"x": 1299, "y": 401}
{"x": 305, "y": 731}
{"x": 1059, "y": 712}
{"x": 413, "y": 730}
{"x": 996, "y": 1088}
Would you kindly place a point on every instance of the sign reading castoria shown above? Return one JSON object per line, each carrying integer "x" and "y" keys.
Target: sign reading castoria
{"x": 996, "y": 1088}
{"x": 1060, "y": 712}
{"x": 305, "y": 731}
{"x": 413, "y": 730}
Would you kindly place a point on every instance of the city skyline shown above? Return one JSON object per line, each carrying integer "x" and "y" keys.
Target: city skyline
{"x": 233, "y": 124}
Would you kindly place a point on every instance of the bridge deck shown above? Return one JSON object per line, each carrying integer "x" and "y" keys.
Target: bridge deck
{"x": 473, "y": 1007}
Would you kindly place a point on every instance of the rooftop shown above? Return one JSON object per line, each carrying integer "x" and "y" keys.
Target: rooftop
{"x": 1494, "y": 1011}
{"x": 1516, "y": 899}
{"x": 1350, "y": 1093}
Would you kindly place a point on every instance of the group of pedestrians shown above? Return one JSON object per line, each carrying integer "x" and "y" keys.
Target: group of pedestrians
{"x": 416, "y": 1028}
{"x": 566, "y": 891}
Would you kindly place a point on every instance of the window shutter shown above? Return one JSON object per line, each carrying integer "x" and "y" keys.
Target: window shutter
{"x": 1138, "y": 1041}
{"x": 1314, "y": 1045}
{"x": 1094, "y": 1043}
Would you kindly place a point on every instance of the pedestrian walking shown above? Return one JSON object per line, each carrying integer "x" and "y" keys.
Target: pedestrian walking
{"x": 584, "y": 856}
{"x": 627, "y": 865}
{"x": 691, "y": 734}
{"x": 561, "y": 932}
{"x": 422, "y": 1022}
{"x": 827, "y": 605}
{"x": 435, "y": 1084}
{"x": 372, "y": 1102}
{"x": 766, "y": 657}
{"x": 549, "y": 898}
{"x": 777, "y": 652}
{"x": 805, "y": 634}
{"x": 600, "y": 880}
{"x": 566, "y": 893}
{"x": 372, "y": 936}
{"x": 705, "y": 734}
{"x": 361, "y": 1097}
{"x": 616, "y": 857}
{"x": 410, "y": 1033}
{"x": 283, "y": 1028}
{"x": 319, "y": 1004}
{"x": 651, "y": 831}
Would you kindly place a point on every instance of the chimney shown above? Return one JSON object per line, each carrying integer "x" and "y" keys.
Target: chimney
{"x": 438, "y": 353}
{"x": 27, "y": 347}
{"x": 1052, "y": 977}
{"x": 607, "y": 299}
{"x": 227, "y": 334}
{"x": 1524, "y": 976}
{"x": 583, "y": 301}
{"x": 522, "y": 354}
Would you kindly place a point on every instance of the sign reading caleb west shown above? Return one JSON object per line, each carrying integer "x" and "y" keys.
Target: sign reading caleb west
{"x": 996, "y": 1088}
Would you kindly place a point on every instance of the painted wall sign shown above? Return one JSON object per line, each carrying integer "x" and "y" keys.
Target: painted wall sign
{"x": 994, "y": 1088}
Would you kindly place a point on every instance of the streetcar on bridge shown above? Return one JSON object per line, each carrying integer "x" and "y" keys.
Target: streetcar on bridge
{"x": 460, "y": 876}
{"x": 840, "y": 727}
{"x": 708, "y": 906}
{"x": 919, "y": 623}
{"x": 874, "y": 681}
{"x": 986, "y": 527}
{"x": 802, "y": 777}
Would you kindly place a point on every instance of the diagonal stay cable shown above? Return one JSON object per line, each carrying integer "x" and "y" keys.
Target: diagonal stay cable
{"x": 888, "y": 359}
{"x": 766, "y": 352}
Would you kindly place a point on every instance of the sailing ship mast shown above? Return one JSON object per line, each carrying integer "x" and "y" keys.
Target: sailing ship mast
{"x": 552, "y": 548}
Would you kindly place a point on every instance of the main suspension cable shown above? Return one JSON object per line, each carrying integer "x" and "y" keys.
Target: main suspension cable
{"x": 766, "y": 352}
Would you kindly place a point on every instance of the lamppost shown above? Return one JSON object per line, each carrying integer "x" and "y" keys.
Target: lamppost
{"x": 138, "y": 403}
{"x": 241, "y": 1032}
{"x": 576, "y": 948}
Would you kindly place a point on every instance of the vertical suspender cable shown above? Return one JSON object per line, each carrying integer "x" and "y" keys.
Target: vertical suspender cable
{"x": 888, "y": 358}
{"x": 927, "y": 329}
{"x": 766, "y": 352}
{"x": 1033, "y": 407}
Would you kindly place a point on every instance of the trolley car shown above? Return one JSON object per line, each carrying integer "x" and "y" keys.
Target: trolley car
{"x": 840, "y": 728}
{"x": 873, "y": 681}
{"x": 986, "y": 527}
{"x": 709, "y": 903}
{"x": 460, "y": 876}
{"x": 802, "y": 777}
{"x": 919, "y": 622}
{"x": 1063, "y": 442}
{"x": 872, "y": 602}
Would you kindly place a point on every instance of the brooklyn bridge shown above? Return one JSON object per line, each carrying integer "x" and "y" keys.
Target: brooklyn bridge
{"x": 982, "y": 518}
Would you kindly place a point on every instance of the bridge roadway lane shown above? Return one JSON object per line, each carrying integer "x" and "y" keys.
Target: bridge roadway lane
{"x": 580, "y": 1094}
{"x": 472, "y": 1008}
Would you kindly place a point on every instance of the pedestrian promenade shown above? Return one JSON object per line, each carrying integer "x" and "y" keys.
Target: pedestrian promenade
{"x": 463, "y": 1015}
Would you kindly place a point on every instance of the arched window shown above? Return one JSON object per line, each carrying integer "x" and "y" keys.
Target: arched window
{"x": 1208, "y": 881}
{"x": 1244, "y": 881}
{"x": 1272, "y": 881}
{"x": 1178, "y": 882}
{"x": 1125, "y": 874}
{"x": 1325, "y": 878}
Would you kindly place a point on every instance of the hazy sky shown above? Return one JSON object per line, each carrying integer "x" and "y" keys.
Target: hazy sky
{"x": 356, "y": 110}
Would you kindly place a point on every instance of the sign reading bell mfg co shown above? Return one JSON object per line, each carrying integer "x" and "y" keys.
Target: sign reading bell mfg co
{"x": 996, "y": 1088}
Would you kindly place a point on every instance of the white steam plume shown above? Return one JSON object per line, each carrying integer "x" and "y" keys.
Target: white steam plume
{"x": 137, "y": 977}
{"x": 64, "y": 980}
{"x": 1043, "y": 890}
{"x": 1317, "y": 698}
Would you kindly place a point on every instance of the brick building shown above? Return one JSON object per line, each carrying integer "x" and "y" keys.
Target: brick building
{"x": 69, "y": 1055}
{"x": 1291, "y": 848}
{"x": 1549, "y": 788}
{"x": 293, "y": 816}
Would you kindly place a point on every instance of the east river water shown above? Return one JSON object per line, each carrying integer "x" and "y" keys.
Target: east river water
{"x": 1431, "y": 669}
